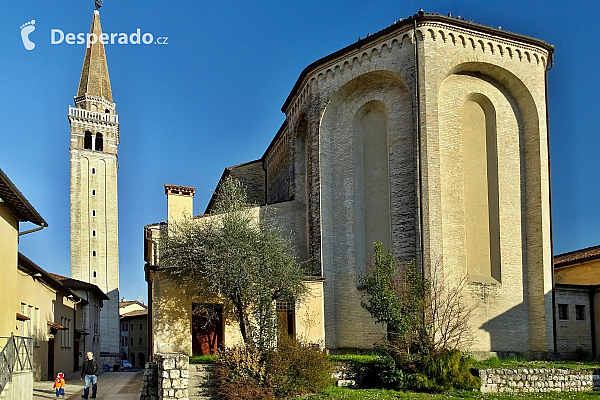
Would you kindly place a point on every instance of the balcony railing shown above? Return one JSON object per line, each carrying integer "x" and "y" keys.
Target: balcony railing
{"x": 95, "y": 115}
{"x": 16, "y": 356}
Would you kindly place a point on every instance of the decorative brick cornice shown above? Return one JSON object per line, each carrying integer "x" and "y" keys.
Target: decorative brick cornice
{"x": 179, "y": 190}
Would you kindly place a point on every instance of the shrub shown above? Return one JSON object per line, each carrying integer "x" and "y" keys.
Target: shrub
{"x": 450, "y": 370}
{"x": 379, "y": 373}
{"x": 240, "y": 374}
{"x": 293, "y": 369}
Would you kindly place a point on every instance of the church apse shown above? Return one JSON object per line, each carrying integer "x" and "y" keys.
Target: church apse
{"x": 365, "y": 194}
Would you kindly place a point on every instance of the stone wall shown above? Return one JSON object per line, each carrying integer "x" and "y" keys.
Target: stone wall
{"x": 538, "y": 380}
{"x": 167, "y": 378}
{"x": 150, "y": 382}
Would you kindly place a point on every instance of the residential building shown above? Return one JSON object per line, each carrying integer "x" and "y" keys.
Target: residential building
{"x": 89, "y": 337}
{"x": 577, "y": 302}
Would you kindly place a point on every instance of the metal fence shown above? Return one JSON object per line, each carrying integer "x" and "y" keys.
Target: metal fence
{"x": 16, "y": 355}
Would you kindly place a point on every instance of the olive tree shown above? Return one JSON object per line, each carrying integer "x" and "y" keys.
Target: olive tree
{"x": 237, "y": 257}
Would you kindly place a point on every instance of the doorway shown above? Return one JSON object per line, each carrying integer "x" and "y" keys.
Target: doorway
{"x": 207, "y": 328}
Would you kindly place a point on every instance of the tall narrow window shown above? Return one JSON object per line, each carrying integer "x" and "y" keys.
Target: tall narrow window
{"x": 87, "y": 141}
{"x": 93, "y": 171}
{"x": 94, "y": 274}
{"x": 93, "y": 253}
{"x": 93, "y": 233}
{"x": 371, "y": 182}
{"x": 480, "y": 169}
{"x": 93, "y": 192}
{"x": 93, "y": 213}
{"x": 99, "y": 142}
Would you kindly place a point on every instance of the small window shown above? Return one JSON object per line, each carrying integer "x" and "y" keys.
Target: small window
{"x": 93, "y": 171}
{"x": 131, "y": 327}
{"x": 563, "y": 312}
{"x": 93, "y": 213}
{"x": 131, "y": 342}
{"x": 94, "y": 274}
{"x": 93, "y": 233}
{"x": 580, "y": 312}
{"x": 140, "y": 327}
{"x": 93, "y": 192}
{"x": 140, "y": 341}
{"x": 94, "y": 254}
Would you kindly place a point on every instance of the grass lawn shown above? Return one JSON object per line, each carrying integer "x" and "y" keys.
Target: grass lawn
{"x": 336, "y": 393}
{"x": 202, "y": 359}
{"x": 511, "y": 363}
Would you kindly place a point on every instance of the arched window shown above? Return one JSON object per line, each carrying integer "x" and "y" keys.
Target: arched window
{"x": 87, "y": 141}
{"x": 481, "y": 194}
{"x": 371, "y": 181}
{"x": 94, "y": 274}
{"x": 99, "y": 142}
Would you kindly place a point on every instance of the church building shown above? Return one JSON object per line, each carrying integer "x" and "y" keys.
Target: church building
{"x": 431, "y": 137}
{"x": 94, "y": 215}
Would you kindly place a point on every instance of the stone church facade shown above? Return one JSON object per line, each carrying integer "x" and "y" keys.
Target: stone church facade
{"x": 431, "y": 137}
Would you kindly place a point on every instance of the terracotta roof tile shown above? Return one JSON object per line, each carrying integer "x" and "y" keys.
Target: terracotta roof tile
{"x": 577, "y": 256}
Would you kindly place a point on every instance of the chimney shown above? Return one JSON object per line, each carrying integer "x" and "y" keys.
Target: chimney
{"x": 180, "y": 202}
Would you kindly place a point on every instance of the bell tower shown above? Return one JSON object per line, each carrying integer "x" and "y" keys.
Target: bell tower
{"x": 94, "y": 212}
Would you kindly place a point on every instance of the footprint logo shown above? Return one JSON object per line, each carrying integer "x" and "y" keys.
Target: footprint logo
{"x": 26, "y": 29}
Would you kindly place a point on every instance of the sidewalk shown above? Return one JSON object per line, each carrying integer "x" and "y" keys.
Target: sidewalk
{"x": 111, "y": 386}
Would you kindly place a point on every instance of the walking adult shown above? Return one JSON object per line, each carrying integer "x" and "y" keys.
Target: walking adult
{"x": 89, "y": 372}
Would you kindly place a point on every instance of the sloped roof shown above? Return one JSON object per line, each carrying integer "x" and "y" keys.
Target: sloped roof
{"x": 577, "y": 256}
{"x": 130, "y": 302}
{"x": 14, "y": 200}
{"x": 136, "y": 313}
{"x": 27, "y": 265}
{"x": 77, "y": 284}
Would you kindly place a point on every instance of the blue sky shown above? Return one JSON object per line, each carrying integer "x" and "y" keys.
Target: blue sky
{"x": 211, "y": 98}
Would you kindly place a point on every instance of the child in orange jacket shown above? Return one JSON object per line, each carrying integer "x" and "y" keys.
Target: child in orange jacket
{"x": 59, "y": 385}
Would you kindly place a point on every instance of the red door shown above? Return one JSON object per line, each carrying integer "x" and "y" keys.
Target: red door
{"x": 207, "y": 328}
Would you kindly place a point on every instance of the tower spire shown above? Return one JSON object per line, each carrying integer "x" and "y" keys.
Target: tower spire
{"x": 94, "y": 79}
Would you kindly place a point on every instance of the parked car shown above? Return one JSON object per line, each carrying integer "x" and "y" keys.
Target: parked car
{"x": 125, "y": 364}
{"x": 107, "y": 368}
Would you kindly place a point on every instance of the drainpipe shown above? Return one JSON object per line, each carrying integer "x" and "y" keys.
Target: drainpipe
{"x": 548, "y": 68}
{"x": 591, "y": 294}
{"x": 418, "y": 121}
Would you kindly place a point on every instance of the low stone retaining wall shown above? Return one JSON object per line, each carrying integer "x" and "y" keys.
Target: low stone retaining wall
{"x": 538, "y": 380}
{"x": 150, "y": 382}
{"x": 166, "y": 378}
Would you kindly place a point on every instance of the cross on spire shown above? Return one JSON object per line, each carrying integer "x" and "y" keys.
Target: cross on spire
{"x": 98, "y": 3}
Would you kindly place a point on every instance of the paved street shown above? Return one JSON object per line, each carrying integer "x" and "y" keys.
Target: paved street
{"x": 111, "y": 386}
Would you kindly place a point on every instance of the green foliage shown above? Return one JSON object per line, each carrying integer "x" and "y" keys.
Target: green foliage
{"x": 516, "y": 362}
{"x": 240, "y": 374}
{"x": 205, "y": 359}
{"x": 236, "y": 257}
{"x": 354, "y": 358}
{"x": 450, "y": 370}
{"x": 289, "y": 370}
{"x": 397, "y": 299}
{"x": 293, "y": 369}
{"x": 339, "y": 393}
{"x": 379, "y": 373}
